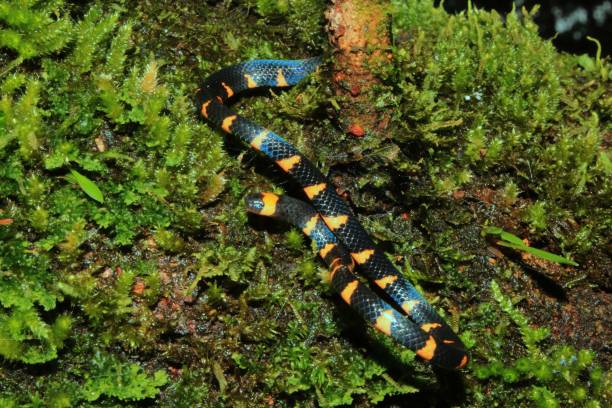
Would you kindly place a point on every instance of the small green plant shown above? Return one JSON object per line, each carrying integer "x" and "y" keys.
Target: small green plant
{"x": 512, "y": 241}
{"x": 21, "y": 117}
{"x": 113, "y": 378}
{"x": 228, "y": 261}
{"x": 89, "y": 187}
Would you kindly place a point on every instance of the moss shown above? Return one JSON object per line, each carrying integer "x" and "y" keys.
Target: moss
{"x": 295, "y": 239}
{"x": 298, "y": 15}
{"x": 33, "y": 30}
{"x": 486, "y": 98}
{"x": 102, "y": 379}
{"x": 26, "y": 289}
{"x": 167, "y": 291}
{"x": 557, "y": 376}
{"x": 125, "y": 382}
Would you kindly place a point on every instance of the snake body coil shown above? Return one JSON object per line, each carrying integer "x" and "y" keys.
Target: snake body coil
{"x": 341, "y": 240}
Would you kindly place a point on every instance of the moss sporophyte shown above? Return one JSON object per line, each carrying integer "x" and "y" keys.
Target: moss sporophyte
{"x": 130, "y": 271}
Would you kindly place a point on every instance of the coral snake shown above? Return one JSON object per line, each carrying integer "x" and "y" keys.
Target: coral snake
{"x": 340, "y": 239}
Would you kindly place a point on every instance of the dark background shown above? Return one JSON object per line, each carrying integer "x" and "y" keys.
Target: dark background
{"x": 572, "y": 20}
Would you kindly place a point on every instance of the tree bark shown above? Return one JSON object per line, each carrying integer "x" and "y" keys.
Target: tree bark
{"x": 359, "y": 31}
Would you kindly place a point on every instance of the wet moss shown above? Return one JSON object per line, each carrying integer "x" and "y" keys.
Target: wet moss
{"x": 168, "y": 286}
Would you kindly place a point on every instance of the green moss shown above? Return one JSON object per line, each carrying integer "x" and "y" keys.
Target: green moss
{"x": 169, "y": 241}
{"x": 188, "y": 390}
{"x": 84, "y": 91}
{"x": 481, "y": 95}
{"x": 21, "y": 118}
{"x": 104, "y": 379}
{"x": 295, "y": 239}
{"x": 112, "y": 378}
{"x": 299, "y": 17}
{"x": 488, "y": 125}
{"x": 336, "y": 380}
{"x": 270, "y": 7}
{"x": 27, "y": 288}
{"x": 33, "y": 29}
{"x": 557, "y": 376}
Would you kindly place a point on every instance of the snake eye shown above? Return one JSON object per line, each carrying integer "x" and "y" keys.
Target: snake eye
{"x": 262, "y": 204}
{"x": 254, "y": 203}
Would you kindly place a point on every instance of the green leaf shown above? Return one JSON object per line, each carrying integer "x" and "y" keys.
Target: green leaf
{"x": 514, "y": 242}
{"x": 506, "y": 236}
{"x": 540, "y": 253}
{"x": 220, "y": 376}
{"x": 492, "y": 230}
{"x": 88, "y": 186}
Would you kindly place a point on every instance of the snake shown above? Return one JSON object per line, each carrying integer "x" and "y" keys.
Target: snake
{"x": 340, "y": 239}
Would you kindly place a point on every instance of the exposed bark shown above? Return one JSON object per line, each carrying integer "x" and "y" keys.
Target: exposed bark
{"x": 359, "y": 31}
